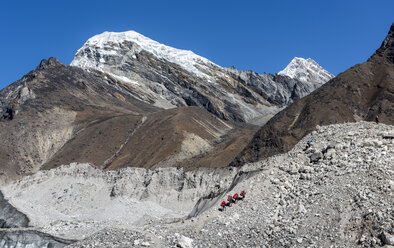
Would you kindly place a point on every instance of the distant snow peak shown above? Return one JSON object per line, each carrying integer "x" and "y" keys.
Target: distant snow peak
{"x": 109, "y": 43}
{"x": 306, "y": 70}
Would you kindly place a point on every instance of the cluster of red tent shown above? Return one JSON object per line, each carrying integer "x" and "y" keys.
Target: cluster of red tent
{"x": 232, "y": 199}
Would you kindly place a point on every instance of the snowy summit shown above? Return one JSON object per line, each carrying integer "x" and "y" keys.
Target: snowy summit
{"x": 306, "y": 70}
{"x": 108, "y": 43}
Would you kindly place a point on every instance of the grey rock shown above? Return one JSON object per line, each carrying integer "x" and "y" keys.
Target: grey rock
{"x": 145, "y": 244}
{"x": 388, "y": 136}
{"x": 185, "y": 242}
{"x": 330, "y": 146}
{"x": 387, "y": 238}
{"x": 279, "y": 210}
{"x": 10, "y": 217}
{"x": 315, "y": 157}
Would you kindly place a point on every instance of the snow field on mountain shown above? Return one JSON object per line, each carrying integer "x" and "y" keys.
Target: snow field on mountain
{"x": 186, "y": 59}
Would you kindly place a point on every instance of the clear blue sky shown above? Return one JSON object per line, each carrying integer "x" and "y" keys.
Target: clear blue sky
{"x": 259, "y": 35}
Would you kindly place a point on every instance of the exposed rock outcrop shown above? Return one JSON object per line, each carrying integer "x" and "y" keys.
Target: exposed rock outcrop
{"x": 10, "y": 217}
{"x": 30, "y": 239}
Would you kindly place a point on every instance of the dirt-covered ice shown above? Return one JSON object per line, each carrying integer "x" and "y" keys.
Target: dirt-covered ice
{"x": 76, "y": 200}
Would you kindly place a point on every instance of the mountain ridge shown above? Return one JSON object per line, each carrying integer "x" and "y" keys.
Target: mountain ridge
{"x": 58, "y": 114}
{"x": 171, "y": 77}
{"x": 360, "y": 93}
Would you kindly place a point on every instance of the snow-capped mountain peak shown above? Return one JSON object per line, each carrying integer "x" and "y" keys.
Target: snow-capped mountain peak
{"x": 306, "y": 70}
{"x": 168, "y": 77}
{"x": 108, "y": 43}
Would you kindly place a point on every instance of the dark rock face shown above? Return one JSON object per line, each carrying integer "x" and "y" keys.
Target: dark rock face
{"x": 9, "y": 113}
{"x": 31, "y": 238}
{"x": 386, "y": 49}
{"x": 360, "y": 93}
{"x": 10, "y": 217}
{"x": 387, "y": 239}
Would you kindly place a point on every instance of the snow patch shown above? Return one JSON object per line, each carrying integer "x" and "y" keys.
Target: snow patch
{"x": 123, "y": 78}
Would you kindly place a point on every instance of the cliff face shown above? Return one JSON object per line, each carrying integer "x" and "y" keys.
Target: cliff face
{"x": 360, "y": 93}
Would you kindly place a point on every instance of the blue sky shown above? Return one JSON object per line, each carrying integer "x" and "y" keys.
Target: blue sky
{"x": 258, "y": 35}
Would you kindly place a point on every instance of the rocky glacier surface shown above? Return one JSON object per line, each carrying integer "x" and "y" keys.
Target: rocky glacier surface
{"x": 337, "y": 193}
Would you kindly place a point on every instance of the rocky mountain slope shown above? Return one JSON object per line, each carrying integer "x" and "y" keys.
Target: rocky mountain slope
{"x": 45, "y": 109}
{"x": 187, "y": 137}
{"x": 342, "y": 197}
{"x": 167, "y": 77}
{"x": 59, "y": 114}
{"x": 360, "y": 93}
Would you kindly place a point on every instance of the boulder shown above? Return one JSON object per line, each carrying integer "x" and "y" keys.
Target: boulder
{"x": 316, "y": 157}
{"x": 330, "y": 146}
{"x": 388, "y": 136}
{"x": 185, "y": 242}
{"x": 386, "y": 238}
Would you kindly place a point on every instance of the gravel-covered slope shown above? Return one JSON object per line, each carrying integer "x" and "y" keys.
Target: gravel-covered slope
{"x": 345, "y": 199}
